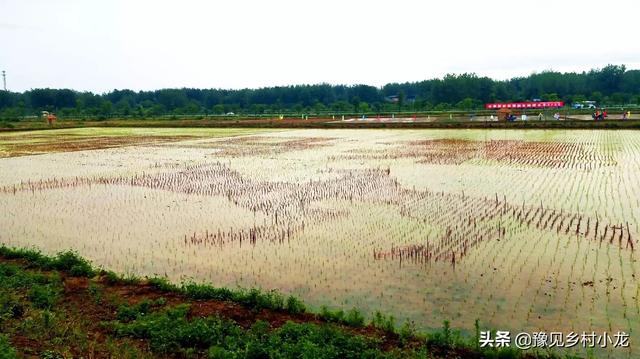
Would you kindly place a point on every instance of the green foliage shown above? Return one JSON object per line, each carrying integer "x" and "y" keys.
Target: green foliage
{"x": 446, "y": 332}
{"x": 170, "y": 331}
{"x": 43, "y": 291}
{"x": 313, "y": 341}
{"x": 128, "y": 313}
{"x": 30, "y": 255}
{"x": 252, "y": 298}
{"x": 331, "y": 316}
{"x": 294, "y": 305}
{"x": 50, "y": 354}
{"x": 216, "y": 352}
{"x": 257, "y": 300}
{"x": 68, "y": 261}
{"x": 163, "y": 284}
{"x": 129, "y": 279}
{"x": 6, "y": 350}
{"x": 502, "y": 353}
{"x": 95, "y": 291}
{"x": 202, "y": 291}
{"x": 74, "y": 264}
{"x": 386, "y": 323}
{"x": 13, "y": 277}
{"x": 407, "y": 332}
{"x": 448, "y": 338}
{"x": 10, "y": 306}
{"x": 476, "y": 337}
{"x": 354, "y": 318}
{"x": 43, "y": 296}
{"x": 111, "y": 277}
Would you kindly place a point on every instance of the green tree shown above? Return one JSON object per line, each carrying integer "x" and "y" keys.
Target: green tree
{"x": 550, "y": 97}
{"x": 364, "y": 107}
{"x": 401, "y": 98}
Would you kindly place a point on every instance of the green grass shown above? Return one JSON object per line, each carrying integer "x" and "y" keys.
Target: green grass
{"x": 127, "y": 312}
{"x": 170, "y": 331}
{"x": 68, "y": 261}
{"x": 6, "y": 350}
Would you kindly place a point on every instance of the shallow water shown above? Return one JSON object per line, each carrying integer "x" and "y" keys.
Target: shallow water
{"x": 428, "y": 225}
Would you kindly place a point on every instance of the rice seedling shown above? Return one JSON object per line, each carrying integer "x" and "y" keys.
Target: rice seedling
{"x": 429, "y": 225}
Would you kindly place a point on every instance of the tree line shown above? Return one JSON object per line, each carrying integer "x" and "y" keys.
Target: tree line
{"x": 611, "y": 85}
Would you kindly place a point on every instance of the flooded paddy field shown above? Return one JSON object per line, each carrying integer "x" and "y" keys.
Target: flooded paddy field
{"x": 532, "y": 230}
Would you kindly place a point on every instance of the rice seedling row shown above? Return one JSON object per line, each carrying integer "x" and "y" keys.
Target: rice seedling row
{"x": 535, "y": 230}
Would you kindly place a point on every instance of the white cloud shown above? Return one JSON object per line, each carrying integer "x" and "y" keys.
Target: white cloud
{"x": 101, "y": 45}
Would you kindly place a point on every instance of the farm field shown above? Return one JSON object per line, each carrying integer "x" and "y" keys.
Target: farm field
{"x": 525, "y": 230}
{"x": 14, "y": 144}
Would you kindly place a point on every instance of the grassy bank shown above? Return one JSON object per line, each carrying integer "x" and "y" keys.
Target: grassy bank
{"x": 62, "y": 307}
{"x": 318, "y": 123}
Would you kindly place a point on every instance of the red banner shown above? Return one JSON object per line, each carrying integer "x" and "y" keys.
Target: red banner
{"x": 524, "y": 105}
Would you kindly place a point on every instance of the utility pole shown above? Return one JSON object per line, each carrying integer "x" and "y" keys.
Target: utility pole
{"x": 4, "y": 80}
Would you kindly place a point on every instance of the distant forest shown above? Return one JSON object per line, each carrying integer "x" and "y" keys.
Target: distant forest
{"x": 611, "y": 85}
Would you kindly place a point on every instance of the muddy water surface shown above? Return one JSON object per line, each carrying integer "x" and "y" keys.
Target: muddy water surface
{"x": 524, "y": 230}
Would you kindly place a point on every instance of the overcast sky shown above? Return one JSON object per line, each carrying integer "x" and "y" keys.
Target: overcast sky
{"x": 102, "y": 45}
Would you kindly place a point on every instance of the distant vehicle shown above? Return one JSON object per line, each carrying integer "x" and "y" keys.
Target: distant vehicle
{"x": 584, "y": 104}
{"x": 230, "y": 114}
{"x": 536, "y": 100}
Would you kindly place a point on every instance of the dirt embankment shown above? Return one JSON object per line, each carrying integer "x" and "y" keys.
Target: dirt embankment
{"x": 570, "y": 123}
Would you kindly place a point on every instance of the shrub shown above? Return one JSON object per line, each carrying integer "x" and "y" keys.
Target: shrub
{"x": 201, "y": 291}
{"x": 294, "y": 305}
{"x": 67, "y": 261}
{"x": 128, "y": 313}
{"x": 260, "y": 330}
{"x": 30, "y": 255}
{"x": 70, "y": 261}
{"x": 257, "y": 300}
